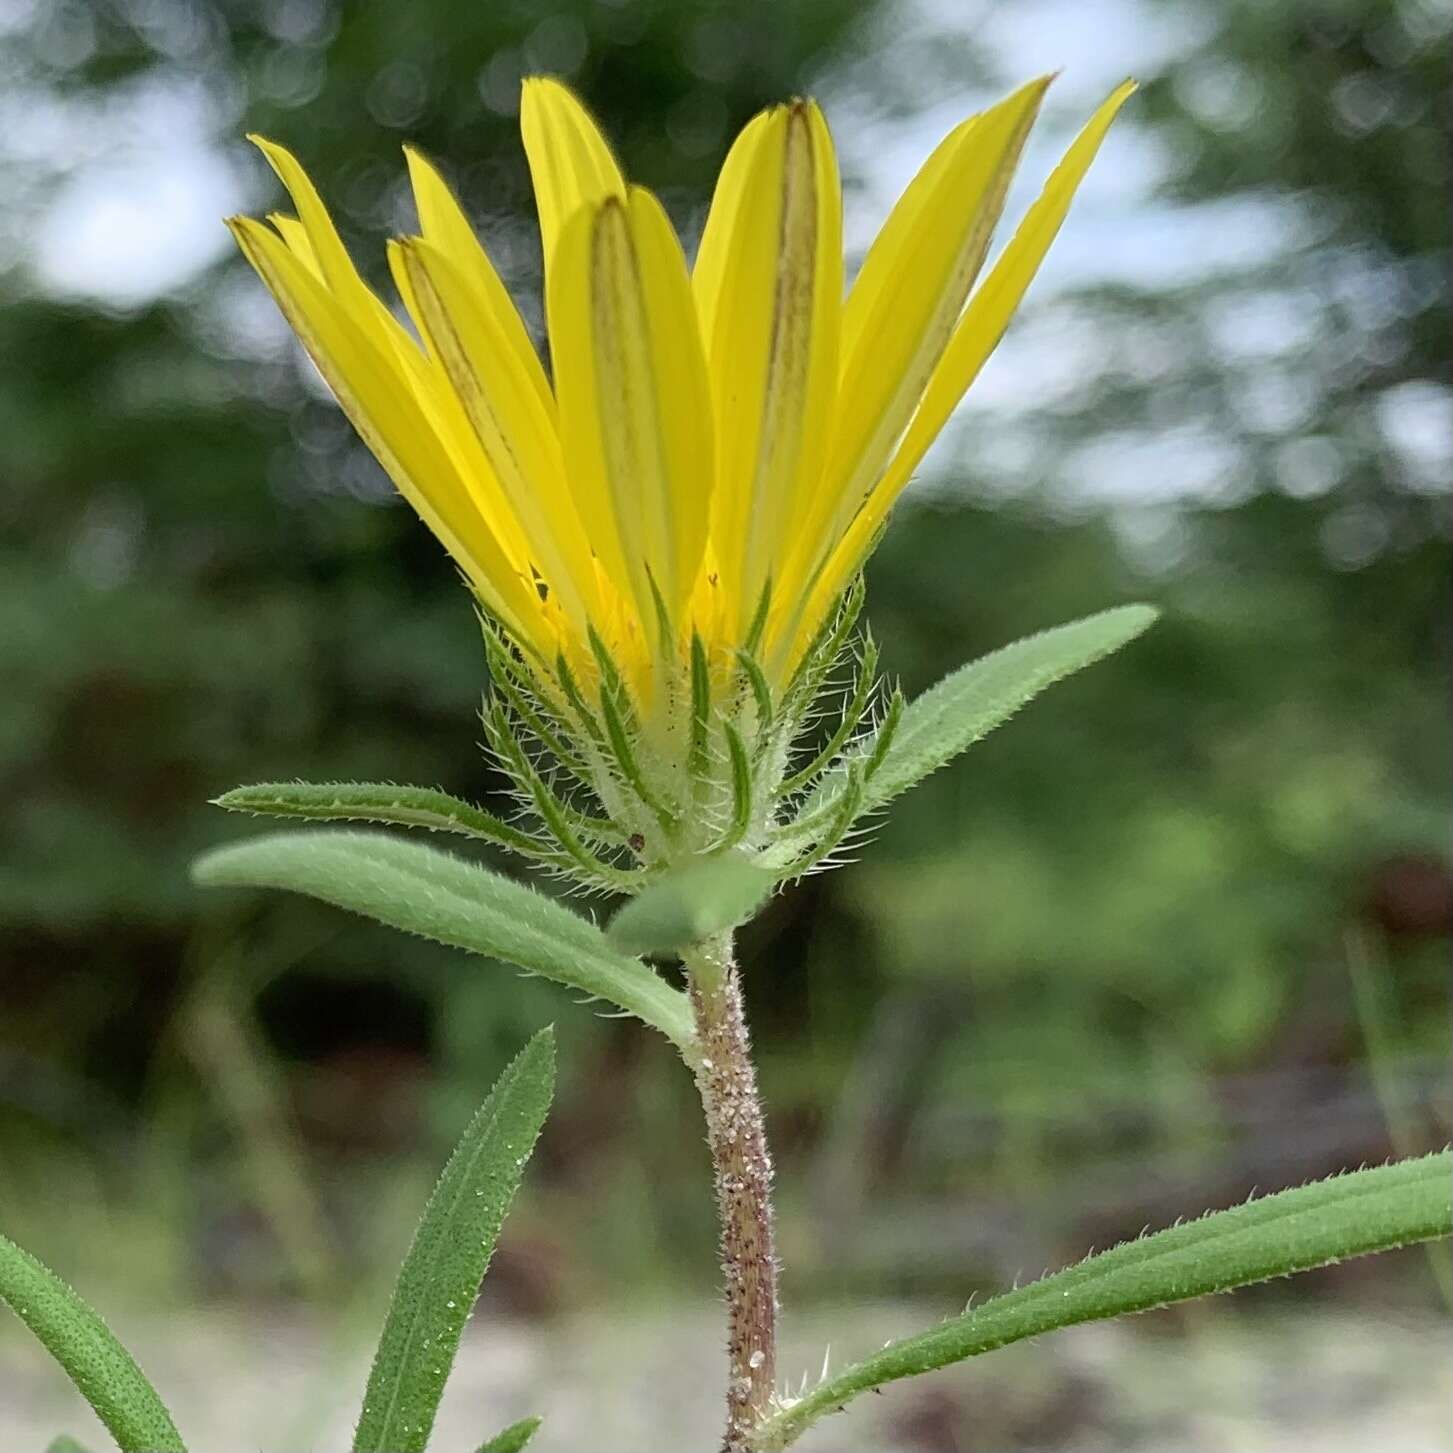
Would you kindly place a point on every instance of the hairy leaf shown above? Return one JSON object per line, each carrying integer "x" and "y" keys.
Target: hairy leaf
{"x": 451, "y": 1250}
{"x": 1349, "y": 1215}
{"x": 381, "y": 802}
{"x": 101, "y": 1368}
{"x": 970, "y": 702}
{"x": 419, "y": 889}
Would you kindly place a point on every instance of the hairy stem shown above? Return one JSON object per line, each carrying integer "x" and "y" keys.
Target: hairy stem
{"x": 737, "y": 1137}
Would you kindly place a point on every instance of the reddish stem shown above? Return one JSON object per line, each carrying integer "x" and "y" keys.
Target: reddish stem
{"x": 736, "y": 1133}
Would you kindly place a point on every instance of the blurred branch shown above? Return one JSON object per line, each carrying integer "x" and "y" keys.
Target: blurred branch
{"x": 1368, "y": 972}
{"x": 217, "y": 1031}
{"x": 1266, "y": 1130}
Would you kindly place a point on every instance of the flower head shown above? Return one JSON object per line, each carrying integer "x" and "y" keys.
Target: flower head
{"x": 663, "y": 536}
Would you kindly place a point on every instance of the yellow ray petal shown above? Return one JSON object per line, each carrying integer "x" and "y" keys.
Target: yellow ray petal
{"x": 517, "y": 435}
{"x": 682, "y": 398}
{"x": 330, "y": 258}
{"x": 570, "y": 161}
{"x": 443, "y": 223}
{"x": 633, "y": 396}
{"x": 975, "y": 338}
{"x": 373, "y": 390}
{"x": 334, "y": 263}
{"x": 770, "y": 277}
{"x": 439, "y": 400}
{"x": 570, "y": 304}
{"x": 904, "y": 305}
{"x": 320, "y": 245}
{"x": 296, "y": 236}
{"x": 728, "y": 200}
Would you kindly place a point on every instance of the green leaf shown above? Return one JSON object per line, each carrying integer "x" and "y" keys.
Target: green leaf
{"x": 970, "y": 702}
{"x": 689, "y": 905}
{"x": 64, "y": 1443}
{"x": 440, "y": 1277}
{"x": 381, "y": 802}
{"x": 421, "y": 890}
{"x": 101, "y": 1368}
{"x": 1349, "y": 1215}
{"x": 513, "y": 1438}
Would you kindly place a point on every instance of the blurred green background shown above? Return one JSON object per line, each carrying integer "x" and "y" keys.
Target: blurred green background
{"x": 1178, "y": 932}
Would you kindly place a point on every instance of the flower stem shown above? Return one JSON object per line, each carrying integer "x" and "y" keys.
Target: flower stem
{"x": 737, "y": 1136}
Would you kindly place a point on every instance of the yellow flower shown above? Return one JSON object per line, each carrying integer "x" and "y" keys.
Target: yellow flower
{"x": 720, "y": 446}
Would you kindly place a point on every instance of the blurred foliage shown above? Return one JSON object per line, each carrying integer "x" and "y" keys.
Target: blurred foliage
{"x": 1141, "y": 886}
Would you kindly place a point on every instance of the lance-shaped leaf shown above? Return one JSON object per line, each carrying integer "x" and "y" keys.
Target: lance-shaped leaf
{"x": 970, "y": 702}
{"x": 689, "y": 905}
{"x": 101, "y": 1368}
{"x": 450, "y": 1253}
{"x": 64, "y": 1443}
{"x": 513, "y": 1438}
{"x": 382, "y": 802}
{"x": 1349, "y": 1215}
{"x": 422, "y": 890}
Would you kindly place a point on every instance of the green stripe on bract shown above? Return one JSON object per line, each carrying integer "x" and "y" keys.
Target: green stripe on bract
{"x": 621, "y": 725}
{"x": 886, "y": 732}
{"x": 851, "y": 717}
{"x": 741, "y": 788}
{"x": 839, "y": 813}
{"x": 761, "y": 692}
{"x": 698, "y": 759}
{"x": 819, "y": 658}
{"x": 555, "y": 814}
{"x": 759, "y": 619}
{"x": 588, "y": 721}
{"x": 507, "y": 678}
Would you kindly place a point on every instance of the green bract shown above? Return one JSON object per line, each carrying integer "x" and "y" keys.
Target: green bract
{"x": 608, "y": 805}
